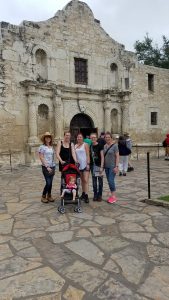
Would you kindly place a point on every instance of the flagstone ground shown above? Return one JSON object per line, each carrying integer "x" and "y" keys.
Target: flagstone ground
{"x": 118, "y": 251}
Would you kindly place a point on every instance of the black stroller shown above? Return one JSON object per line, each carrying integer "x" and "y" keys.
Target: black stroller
{"x": 70, "y": 170}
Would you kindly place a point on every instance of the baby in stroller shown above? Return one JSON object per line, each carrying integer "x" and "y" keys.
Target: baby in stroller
{"x": 71, "y": 187}
{"x": 70, "y": 182}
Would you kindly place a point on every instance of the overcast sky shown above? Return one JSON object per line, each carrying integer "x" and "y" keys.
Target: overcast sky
{"x": 125, "y": 20}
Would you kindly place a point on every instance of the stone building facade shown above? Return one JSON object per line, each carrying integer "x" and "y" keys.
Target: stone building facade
{"x": 67, "y": 72}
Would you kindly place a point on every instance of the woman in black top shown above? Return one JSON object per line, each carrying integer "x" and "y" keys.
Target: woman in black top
{"x": 96, "y": 164}
{"x": 65, "y": 151}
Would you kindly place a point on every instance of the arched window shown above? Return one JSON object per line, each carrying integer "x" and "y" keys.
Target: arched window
{"x": 41, "y": 65}
{"x": 43, "y": 119}
{"x": 114, "y": 121}
{"x": 114, "y": 75}
{"x": 43, "y": 111}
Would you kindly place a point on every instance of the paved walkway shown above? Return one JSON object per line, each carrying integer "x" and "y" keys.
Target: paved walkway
{"x": 118, "y": 251}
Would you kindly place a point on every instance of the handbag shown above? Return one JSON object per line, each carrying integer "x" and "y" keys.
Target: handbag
{"x": 96, "y": 169}
{"x": 47, "y": 173}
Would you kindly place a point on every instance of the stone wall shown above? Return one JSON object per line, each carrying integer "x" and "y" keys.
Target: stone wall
{"x": 37, "y": 68}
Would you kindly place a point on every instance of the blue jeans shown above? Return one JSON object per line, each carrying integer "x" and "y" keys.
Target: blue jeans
{"x": 110, "y": 178}
{"x": 48, "y": 187}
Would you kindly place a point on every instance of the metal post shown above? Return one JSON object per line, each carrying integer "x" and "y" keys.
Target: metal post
{"x": 148, "y": 174}
{"x": 10, "y": 159}
{"x": 137, "y": 151}
{"x": 158, "y": 151}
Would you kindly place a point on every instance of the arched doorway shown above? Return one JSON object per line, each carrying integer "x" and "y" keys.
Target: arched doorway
{"x": 81, "y": 123}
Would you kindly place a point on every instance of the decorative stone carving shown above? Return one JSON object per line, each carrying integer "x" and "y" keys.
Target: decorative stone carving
{"x": 107, "y": 114}
{"x": 33, "y": 139}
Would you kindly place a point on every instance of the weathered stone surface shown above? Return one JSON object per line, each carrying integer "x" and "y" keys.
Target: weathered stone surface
{"x": 61, "y": 237}
{"x": 163, "y": 238}
{"x": 133, "y": 217}
{"x": 87, "y": 250}
{"x": 6, "y": 226}
{"x": 14, "y": 208}
{"x": 30, "y": 252}
{"x": 87, "y": 276}
{"x": 5, "y": 217}
{"x": 59, "y": 227}
{"x": 158, "y": 255}
{"x": 83, "y": 233}
{"x": 130, "y": 227}
{"x": 40, "y": 281}
{"x": 113, "y": 289}
{"x": 73, "y": 294}
{"x": 16, "y": 265}
{"x": 157, "y": 284}
{"x": 111, "y": 266}
{"x": 139, "y": 236}
{"x": 104, "y": 221}
{"x": 108, "y": 243}
{"x": 18, "y": 245}
{"x": 132, "y": 267}
{"x": 5, "y": 252}
{"x": 52, "y": 253}
{"x": 95, "y": 231}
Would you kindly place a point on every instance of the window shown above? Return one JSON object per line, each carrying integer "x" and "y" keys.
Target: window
{"x": 43, "y": 111}
{"x": 114, "y": 75}
{"x": 127, "y": 83}
{"x": 151, "y": 82}
{"x": 81, "y": 74}
{"x": 153, "y": 118}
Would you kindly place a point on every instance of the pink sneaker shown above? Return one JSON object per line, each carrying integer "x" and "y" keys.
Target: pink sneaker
{"x": 112, "y": 199}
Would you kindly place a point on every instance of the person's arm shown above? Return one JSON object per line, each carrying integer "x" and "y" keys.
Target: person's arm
{"x": 116, "y": 162}
{"x": 58, "y": 148}
{"x": 73, "y": 153}
{"x": 102, "y": 159}
{"x": 88, "y": 156}
{"x": 43, "y": 161}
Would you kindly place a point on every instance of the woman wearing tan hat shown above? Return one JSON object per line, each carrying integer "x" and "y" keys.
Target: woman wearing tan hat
{"x": 46, "y": 155}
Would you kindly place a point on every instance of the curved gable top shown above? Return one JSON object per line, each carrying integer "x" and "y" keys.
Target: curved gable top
{"x": 75, "y": 5}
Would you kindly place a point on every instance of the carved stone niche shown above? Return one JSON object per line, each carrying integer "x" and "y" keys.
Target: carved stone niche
{"x": 38, "y": 94}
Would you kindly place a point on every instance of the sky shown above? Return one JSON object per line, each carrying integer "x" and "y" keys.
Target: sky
{"x": 124, "y": 20}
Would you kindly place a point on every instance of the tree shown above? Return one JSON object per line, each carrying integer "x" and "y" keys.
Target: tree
{"x": 150, "y": 54}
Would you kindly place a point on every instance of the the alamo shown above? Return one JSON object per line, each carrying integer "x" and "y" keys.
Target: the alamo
{"x": 67, "y": 72}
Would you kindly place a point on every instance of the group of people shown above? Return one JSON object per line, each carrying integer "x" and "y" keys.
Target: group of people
{"x": 94, "y": 155}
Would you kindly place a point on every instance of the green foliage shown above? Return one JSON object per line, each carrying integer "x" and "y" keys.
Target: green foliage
{"x": 150, "y": 54}
{"x": 164, "y": 198}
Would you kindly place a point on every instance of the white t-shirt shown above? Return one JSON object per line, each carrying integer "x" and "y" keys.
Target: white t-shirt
{"x": 48, "y": 153}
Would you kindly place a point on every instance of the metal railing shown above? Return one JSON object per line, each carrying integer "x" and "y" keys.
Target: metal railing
{"x": 156, "y": 146}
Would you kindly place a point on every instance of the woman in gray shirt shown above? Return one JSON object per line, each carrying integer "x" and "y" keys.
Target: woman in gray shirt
{"x": 111, "y": 164}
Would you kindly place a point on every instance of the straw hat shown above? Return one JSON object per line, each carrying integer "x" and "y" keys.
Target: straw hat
{"x": 45, "y": 135}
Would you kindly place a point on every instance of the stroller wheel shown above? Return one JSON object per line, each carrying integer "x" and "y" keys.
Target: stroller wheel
{"x": 61, "y": 209}
{"x": 78, "y": 209}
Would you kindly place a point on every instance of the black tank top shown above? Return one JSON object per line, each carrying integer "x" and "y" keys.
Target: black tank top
{"x": 66, "y": 155}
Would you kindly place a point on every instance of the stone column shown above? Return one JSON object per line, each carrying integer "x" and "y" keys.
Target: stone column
{"x": 107, "y": 114}
{"x": 33, "y": 139}
{"x": 58, "y": 105}
{"x": 125, "y": 117}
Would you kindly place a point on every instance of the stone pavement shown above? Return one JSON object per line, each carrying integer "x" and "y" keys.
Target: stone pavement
{"x": 118, "y": 251}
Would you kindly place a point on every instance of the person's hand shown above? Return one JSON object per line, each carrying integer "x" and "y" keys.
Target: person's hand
{"x": 63, "y": 162}
{"x": 88, "y": 167}
{"x": 49, "y": 169}
{"x": 115, "y": 170}
{"x": 101, "y": 171}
